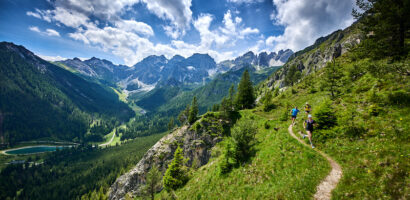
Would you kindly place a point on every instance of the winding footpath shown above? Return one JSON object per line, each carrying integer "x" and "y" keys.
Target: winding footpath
{"x": 324, "y": 189}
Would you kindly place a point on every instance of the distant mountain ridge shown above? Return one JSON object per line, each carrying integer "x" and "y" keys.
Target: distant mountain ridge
{"x": 154, "y": 70}
{"x": 261, "y": 60}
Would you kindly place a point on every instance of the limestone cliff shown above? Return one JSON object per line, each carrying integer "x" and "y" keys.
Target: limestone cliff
{"x": 196, "y": 141}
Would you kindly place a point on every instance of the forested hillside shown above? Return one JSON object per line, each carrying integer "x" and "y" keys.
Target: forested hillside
{"x": 39, "y": 99}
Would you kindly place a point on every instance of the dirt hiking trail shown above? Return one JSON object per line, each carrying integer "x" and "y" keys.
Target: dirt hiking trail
{"x": 324, "y": 189}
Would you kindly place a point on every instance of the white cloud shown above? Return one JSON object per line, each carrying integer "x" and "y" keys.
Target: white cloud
{"x": 104, "y": 9}
{"x": 134, "y": 26}
{"x": 49, "y": 32}
{"x": 249, "y": 31}
{"x": 245, "y": 1}
{"x": 177, "y": 11}
{"x": 52, "y": 32}
{"x": 34, "y": 28}
{"x": 130, "y": 39}
{"x": 70, "y": 18}
{"x": 173, "y": 31}
{"x": 51, "y": 58}
{"x": 306, "y": 20}
{"x": 33, "y": 14}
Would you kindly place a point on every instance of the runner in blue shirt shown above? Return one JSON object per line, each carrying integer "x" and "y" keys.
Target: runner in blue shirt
{"x": 294, "y": 114}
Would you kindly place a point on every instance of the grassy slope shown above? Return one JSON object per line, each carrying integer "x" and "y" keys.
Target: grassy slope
{"x": 281, "y": 169}
{"x": 375, "y": 162}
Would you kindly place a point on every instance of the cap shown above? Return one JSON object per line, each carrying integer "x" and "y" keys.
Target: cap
{"x": 306, "y": 102}
{"x": 310, "y": 116}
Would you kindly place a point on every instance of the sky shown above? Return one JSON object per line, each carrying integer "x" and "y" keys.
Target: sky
{"x": 126, "y": 31}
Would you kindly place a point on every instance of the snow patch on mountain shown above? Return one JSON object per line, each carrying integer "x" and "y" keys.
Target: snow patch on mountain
{"x": 212, "y": 72}
{"x": 274, "y": 62}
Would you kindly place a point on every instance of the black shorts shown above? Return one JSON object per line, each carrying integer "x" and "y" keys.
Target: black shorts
{"x": 311, "y": 130}
{"x": 294, "y": 116}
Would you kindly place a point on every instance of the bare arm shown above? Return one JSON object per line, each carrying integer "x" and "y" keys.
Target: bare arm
{"x": 304, "y": 124}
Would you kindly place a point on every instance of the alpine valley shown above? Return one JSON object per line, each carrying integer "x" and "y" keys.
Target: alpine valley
{"x": 203, "y": 103}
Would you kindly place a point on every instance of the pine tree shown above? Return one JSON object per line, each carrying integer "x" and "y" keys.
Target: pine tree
{"x": 193, "y": 112}
{"x": 175, "y": 176}
{"x": 171, "y": 124}
{"x": 183, "y": 116}
{"x": 245, "y": 97}
{"x": 153, "y": 182}
{"x": 333, "y": 79}
{"x": 231, "y": 97}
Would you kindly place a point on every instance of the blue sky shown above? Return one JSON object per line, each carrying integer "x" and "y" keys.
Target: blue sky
{"x": 126, "y": 31}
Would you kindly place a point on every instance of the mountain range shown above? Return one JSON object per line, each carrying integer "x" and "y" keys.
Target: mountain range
{"x": 197, "y": 69}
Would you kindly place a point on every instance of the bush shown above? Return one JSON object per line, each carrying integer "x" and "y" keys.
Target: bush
{"x": 354, "y": 130}
{"x": 312, "y": 90}
{"x": 268, "y": 107}
{"x": 399, "y": 97}
{"x": 284, "y": 116}
{"x": 243, "y": 135}
{"x": 322, "y": 136}
{"x": 324, "y": 114}
{"x": 267, "y": 125}
{"x": 374, "y": 109}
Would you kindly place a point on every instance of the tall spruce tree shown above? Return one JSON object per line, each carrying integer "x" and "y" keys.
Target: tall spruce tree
{"x": 193, "y": 112}
{"x": 332, "y": 80}
{"x": 245, "y": 97}
{"x": 175, "y": 176}
{"x": 171, "y": 124}
{"x": 183, "y": 116}
{"x": 231, "y": 97}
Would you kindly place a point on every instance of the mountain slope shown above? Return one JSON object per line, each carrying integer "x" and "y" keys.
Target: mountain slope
{"x": 40, "y": 99}
{"x": 315, "y": 57}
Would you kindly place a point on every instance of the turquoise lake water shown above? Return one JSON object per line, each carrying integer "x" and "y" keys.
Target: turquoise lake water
{"x": 35, "y": 149}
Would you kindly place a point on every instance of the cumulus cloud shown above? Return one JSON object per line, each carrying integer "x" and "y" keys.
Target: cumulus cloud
{"x": 306, "y": 20}
{"x": 100, "y": 8}
{"x": 134, "y": 26}
{"x": 130, "y": 40}
{"x": 177, "y": 11}
{"x": 52, "y": 58}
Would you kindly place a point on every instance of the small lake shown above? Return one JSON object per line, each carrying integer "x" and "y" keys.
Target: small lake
{"x": 34, "y": 149}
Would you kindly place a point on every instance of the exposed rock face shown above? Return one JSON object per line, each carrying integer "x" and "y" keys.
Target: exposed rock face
{"x": 196, "y": 142}
{"x": 262, "y": 60}
{"x": 317, "y": 55}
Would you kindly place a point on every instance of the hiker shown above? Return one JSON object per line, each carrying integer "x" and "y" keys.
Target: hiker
{"x": 294, "y": 112}
{"x": 308, "y": 126}
{"x": 308, "y": 109}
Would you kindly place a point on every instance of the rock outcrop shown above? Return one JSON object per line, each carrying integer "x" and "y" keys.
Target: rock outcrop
{"x": 196, "y": 141}
{"x": 316, "y": 56}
